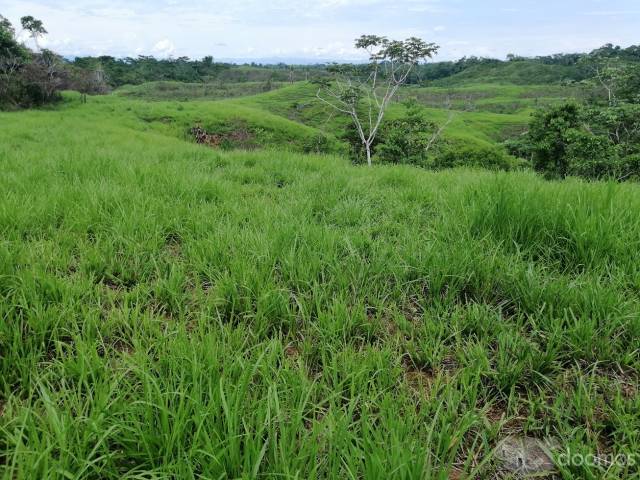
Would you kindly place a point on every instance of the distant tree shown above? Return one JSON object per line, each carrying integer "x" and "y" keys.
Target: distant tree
{"x": 588, "y": 141}
{"x": 617, "y": 71}
{"x": 365, "y": 93}
{"x": 35, "y": 28}
{"x": 44, "y": 76}
{"x": 268, "y": 85}
{"x": 8, "y": 44}
{"x": 12, "y": 58}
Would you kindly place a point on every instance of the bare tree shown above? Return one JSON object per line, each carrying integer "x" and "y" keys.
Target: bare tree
{"x": 9, "y": 66}
{"x": 52, "y": 70}
{"x": 35, "y": 28}
{"x": 365, "y": 93}
{"x": 438, "y": 133}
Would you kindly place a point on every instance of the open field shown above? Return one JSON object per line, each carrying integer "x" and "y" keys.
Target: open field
{"x": 173, "y": 311}
{"x": 190, "y": 91}
{"x": 484, "y": 114}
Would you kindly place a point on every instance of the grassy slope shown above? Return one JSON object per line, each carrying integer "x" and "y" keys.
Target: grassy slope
{"x": 175, "y": 118}
{"x": 169, "y": 90}
{"x": 519, "y": 72}
{"x": 484, "y": 113}
{"x": 298, "y": 103}
{"x": 172, "y": 311}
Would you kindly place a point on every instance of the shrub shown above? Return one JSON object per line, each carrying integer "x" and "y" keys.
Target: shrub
{"x": 547, "y": 133}
{"x": 629, "y": 167}
{"x": 410, "y": 140}
{"x": 591, "y": 142}
{"x": 590, "y": 156}
{"x": 317, "y": 144}
{"x": 492, "y": 158}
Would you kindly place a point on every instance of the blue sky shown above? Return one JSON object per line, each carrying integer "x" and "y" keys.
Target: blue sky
{"x": 325, "y": 29}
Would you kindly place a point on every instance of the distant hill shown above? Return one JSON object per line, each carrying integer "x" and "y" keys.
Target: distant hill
{"x": 514, "y": 70}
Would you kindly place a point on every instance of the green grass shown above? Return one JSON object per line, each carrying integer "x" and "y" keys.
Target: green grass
{"x": 298, "y": 103}
{"x": 483, "y": 114}
{"x": 176, "y": 118}
{"x": 524, "y": 72}
{"x": 168, "y": 90}
{"x": 171, "y": 311}
{"x": 494, "y": 97}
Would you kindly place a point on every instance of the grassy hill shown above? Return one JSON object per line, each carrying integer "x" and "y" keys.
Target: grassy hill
{"x": 174, "y": 311}
{"x": 521, "y": 72}
{"x": 254, "y": 127}
{"x": 298, "y": 103}
{"x": 181, "y": 91}
{"x": 484, "y": 114}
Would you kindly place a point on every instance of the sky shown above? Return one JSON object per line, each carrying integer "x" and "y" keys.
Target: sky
{"x": 321, "y": 30}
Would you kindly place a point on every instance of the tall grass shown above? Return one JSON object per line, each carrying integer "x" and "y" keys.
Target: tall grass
{"x": 169, "y": 311}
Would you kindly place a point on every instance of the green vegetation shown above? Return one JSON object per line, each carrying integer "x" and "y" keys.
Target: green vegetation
{"x": 36, "y": 78}
{"x": 144, "y": 69}
{"x": 195, "y": 91}
{"x": 171, "y": 310}
{"x": 590, "y": 142}
{"x": 546, "y": 70}
{"x": 197, "y": 280}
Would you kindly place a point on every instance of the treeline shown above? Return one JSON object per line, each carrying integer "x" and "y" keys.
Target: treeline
{"x": 599, "y": 138}
{"x": 142, "y": 69}
{"x": 31, "y": 78}
{"x": 559, "y": 68}
{"x": 572, "y": 67}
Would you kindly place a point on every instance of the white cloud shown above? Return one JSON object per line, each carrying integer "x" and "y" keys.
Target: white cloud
{"x": 323, "y": 29}
{"x": 164, "y": 48}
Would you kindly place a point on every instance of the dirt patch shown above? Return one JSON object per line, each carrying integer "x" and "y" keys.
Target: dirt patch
{"x": 456, "y": 474}
{"x": 292, "y": 352}
{"x": 173, "y": 244}
{"x": 412, "y": 308}
{"x": 122, "y": 347}
{"x": 421, "y": 380}
{"x": 418, "y": 381}
{"x": 496, "y": 413}
{"x": 626, "y": 381}
{"x": 116, "y": 345}
{"x": 235, "y": 135}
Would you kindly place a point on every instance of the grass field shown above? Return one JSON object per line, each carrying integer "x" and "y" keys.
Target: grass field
{"x": 189, "y": 91}
{"x": 483, "y": 114}
{"x": 172, "y": 311}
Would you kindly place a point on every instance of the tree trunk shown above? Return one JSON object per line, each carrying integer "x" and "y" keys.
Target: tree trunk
{"x": 368, "y": 148}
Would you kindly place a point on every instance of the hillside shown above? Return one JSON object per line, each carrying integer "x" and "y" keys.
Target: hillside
{"x": 174, "y": 311}
{"x": 483, "y": 114}
{"x": 521, "y": 72}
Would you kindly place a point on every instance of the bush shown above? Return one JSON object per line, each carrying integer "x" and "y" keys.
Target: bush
{"x": 410, "y": 140}
{"x": 491, "y": 158}
{"x": 590, "y": 142}
{"x": 629, "y": 167}
{"x": 590, "y": 156}
{"x": 414, "y": 140}
{"x": 547, "y": 133}
{"x": 317, "y": 144}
